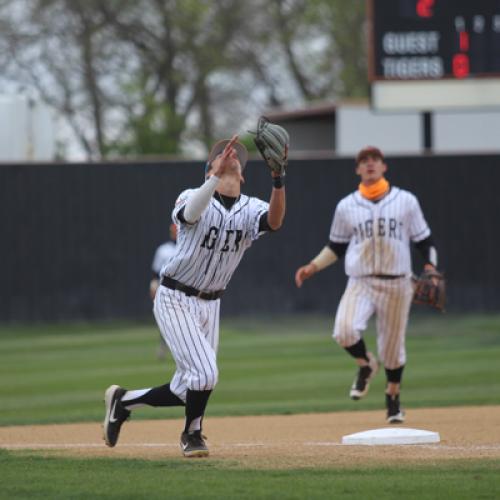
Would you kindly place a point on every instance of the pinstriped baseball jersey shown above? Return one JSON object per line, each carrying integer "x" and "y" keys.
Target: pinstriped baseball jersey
{"x": 207, "y": 254}
{"x": 209, "y": 251}
{"x": 163, "y": 253}
{"x": 379, "y": 233}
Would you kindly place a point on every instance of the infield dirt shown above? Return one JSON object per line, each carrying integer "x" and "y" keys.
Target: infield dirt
{"x": 278, "y": 441}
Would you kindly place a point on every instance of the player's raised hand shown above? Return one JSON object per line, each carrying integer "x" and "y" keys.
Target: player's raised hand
{"x": 230, "y": 146}
{"x": 227, "y": 159}
{"x": 305, "y": 272}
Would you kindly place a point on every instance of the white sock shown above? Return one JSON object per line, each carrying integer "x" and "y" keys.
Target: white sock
{"x": 131, "y": 395}
{"x": 195, "y": 425}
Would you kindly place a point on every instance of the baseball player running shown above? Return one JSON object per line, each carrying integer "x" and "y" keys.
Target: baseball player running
{"x": 373, "y": 228}
{"x": 217, "y": 224}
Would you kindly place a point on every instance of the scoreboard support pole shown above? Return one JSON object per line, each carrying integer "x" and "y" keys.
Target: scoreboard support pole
{"x": 427, "y": 131}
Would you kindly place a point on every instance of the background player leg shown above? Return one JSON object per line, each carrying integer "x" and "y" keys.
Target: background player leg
{"x": 354, "y": 311}
{"x": 395, "y": 415}
{"x": 393, "y": 309}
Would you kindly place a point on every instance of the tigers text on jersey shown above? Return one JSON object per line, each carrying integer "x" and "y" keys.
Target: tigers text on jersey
{"x": 378, "y": 233}
{"x": 209, "y": 250}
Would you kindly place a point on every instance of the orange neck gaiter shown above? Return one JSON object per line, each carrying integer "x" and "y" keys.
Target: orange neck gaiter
{"x": 375, "y": 190}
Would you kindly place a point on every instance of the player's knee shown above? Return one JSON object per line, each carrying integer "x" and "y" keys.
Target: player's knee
{"x": 345, "y": 335}
{"x": 205, "y": 379}
{"x": 211, "y": 379}
{"x": 394, "y": 375}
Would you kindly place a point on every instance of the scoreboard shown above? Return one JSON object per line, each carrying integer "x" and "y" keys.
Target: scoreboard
{"x": 445, "y": 53}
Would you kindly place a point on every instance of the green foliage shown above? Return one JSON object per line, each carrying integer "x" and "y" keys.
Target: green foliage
{"x": 280, "y": 365}
{"x": 152, "y": 130}
{"x": 343, "y": 22}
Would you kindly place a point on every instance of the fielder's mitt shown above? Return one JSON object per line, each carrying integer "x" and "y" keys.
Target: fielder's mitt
{"x": 430, "y": 289}
{"x": 272, "y": 141}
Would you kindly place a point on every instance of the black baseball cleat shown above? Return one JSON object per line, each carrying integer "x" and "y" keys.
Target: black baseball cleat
{"x": 193, "y": 444}
{"x": 365, "y": 374}
{"x": 394, "y": 413}
{"x": 116, "y": 414}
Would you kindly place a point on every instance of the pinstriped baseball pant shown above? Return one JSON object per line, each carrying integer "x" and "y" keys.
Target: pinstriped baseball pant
{"x": 190, "y": 327}
{"x": 390, "y": 300}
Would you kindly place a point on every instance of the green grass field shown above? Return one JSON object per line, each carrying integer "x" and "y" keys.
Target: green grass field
{"x": 54, "y": 374}
{"x": 52, "y": 478}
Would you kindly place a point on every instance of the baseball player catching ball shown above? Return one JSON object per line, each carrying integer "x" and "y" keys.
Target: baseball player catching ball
{"x": 373, "y": 228}
{"x": 217, "y": 224}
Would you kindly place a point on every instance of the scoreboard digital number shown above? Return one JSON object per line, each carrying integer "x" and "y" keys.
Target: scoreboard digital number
{"x": 433, "y": 39}
{"x": 434, "y": 53}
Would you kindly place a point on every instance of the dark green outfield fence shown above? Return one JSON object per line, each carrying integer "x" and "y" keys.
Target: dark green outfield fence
{"x": 78, "y": 239}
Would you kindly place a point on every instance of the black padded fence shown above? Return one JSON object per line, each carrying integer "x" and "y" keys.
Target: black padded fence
{"x": 78, "y": 239}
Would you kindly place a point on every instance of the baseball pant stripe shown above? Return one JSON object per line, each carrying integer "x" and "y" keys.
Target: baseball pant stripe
{"x": 354, "y": 310}
{"x": 390, "y": 325}
{"x": 189, "y": 370}
{"x": 395, "y": 349}
{"x": 165, "y": 324}
{"x": 207, "y": 310}
{"x": 177, "y": 385}
{"x": 214, "y": 328}
{"x": 205, "y": 359}
{"x": 206, "y": 356}
{"x": 392, "y": 317}
{"x": 183, "y": 352}
{"x": 190, "y": 339}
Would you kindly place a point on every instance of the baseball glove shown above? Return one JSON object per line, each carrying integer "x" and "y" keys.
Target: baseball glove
{"x": 430, "y": 289}
{"x": 272, "y": 142}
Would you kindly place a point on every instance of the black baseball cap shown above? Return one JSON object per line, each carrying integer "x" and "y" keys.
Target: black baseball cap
{"x": 218, "y": 147}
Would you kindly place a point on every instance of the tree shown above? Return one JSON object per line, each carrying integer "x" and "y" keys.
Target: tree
{"x": 180, "y": 45}
{"x": 59, "y": 47}
{"x": 321, "y": 44}
{"x": 143, "y": 76}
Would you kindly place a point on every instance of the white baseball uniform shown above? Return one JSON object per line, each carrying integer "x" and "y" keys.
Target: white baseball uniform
{"x": 378, "y": 264}
{"x": 207, "y": 254}
{"x": 163, "y": 254}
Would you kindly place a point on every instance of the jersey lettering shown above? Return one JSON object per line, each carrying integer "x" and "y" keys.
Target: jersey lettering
{"x": 369, "y": 228}
{"x": 389, "y": 228}
{"x": 225, "y": 248}
{"x": 210, "y": 239}
{"x": 378, "y": 234}
{"x": 381, "y": 226}
{"x": 239, "y": 235}
{"x": 209, "y": 251}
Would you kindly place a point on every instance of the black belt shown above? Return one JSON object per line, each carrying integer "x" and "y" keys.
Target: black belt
{"x": 189, "y": 290}
{"x": 386, "y": 276}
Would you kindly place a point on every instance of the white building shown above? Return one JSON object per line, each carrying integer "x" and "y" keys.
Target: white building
{"x": 27, "y": 130}
{"x": 343, "y": 129}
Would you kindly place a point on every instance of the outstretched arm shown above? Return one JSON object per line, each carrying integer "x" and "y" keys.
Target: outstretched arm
{"x": 200, "y": 198}
{"x": 277, "y": 204}
{"x": 330, "y": 254}
{"x": 324, "y": 259}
